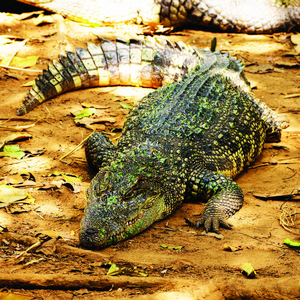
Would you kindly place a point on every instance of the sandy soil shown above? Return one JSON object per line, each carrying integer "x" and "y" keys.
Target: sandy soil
{"x": 58, "y": 268}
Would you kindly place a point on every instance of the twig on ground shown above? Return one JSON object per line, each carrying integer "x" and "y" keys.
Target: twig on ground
{"x": 174, "y": 229}
{"x": 35, "y": 245}
{"x": 295, "y": 172}
{"x": 17, "y": 50}
{"x": 279, "y": 162}
{"x": 77, "y": 147}
{"x": 34, "y": 261}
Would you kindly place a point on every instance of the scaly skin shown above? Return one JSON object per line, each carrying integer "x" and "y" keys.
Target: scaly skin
{"x": 189, "y": 138}
{"x": 248, "y": 16}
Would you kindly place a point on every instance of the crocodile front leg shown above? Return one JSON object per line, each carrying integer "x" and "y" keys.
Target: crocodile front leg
{"x": 99, "y": 150}
{"x": 224, "y": 197}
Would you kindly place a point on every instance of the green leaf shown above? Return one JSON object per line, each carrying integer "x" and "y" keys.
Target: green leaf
{"x": 85, "y": 113}
{"x": 12, "y": 151}
{"x": 113, "y": 270}
{"x": 141, "y": 273}
{"x": 175, "y": 248}
{"x": 171, "y": 248}
{"x": 125, "y": 106}
{"x": 71, "y": 178}
{"x": 291, "y": 243}
{"x": 248, "y": 270}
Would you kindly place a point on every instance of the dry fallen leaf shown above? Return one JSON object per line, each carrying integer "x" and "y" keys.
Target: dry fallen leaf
{"x": 79, "y": 203}
{"x": 28, "y": 15}
{"x": 261, "y": 69}
{"x": 12, "y": 296}
{"x": 9, "y": 194}
{"x": 14, "y": 137}
{"x": 228, "y": 247}
{"x": 20, "y": 62}
{"x": 17, "y": 209}
{"x": 87, "y": 122}
{"x": 5, "y": 40}
{"x": 12, "y": 179}
{"x": 48, "y": 248}
{"x": 68, "y": 178}
{"x": 295, "y": 38}
{"x": 28, "y": 83}
{"x": 42, "y": 19}
{"x": 49, "y": 233}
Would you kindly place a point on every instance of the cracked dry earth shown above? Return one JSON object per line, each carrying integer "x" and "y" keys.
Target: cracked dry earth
{"x": 58, "y": 268}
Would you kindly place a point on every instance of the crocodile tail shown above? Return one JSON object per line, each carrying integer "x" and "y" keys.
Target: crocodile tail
{"x": 151, "y": 63}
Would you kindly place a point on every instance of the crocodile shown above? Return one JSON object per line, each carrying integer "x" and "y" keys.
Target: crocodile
{"x": 247, "y": 16}
{"x": 187, "y": 139}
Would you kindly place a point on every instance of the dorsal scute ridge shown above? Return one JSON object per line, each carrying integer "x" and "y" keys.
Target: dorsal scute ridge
{"x": 169, "y": 44}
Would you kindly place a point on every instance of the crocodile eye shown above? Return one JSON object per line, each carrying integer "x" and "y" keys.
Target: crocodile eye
{"x": 139, "y": 188}
{"x": 130, "y": 194}
{"x": 141, "y": 184}
{"x": 135, "y": 190}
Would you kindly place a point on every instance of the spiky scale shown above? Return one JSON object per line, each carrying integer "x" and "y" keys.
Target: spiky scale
{"x": 80, "y": 69}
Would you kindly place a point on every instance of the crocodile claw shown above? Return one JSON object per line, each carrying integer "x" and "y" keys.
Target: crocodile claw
{"x": 213, "y": 222}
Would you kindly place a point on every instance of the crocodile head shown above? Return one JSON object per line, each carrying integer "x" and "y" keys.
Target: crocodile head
{"x": 126, "y": 197}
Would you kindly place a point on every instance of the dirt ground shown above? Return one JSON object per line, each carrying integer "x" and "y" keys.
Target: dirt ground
{"x": 37, "y": 263}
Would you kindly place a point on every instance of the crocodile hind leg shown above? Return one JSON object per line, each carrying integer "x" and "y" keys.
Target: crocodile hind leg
{"x": 224, "y": 197}
{"x": 99, "y": 150}
{"x": 273, "y": 122}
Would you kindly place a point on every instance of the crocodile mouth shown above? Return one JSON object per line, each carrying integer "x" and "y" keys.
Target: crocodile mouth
{"x": 130, "y": 228}
{"x": 134, "y": 220}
